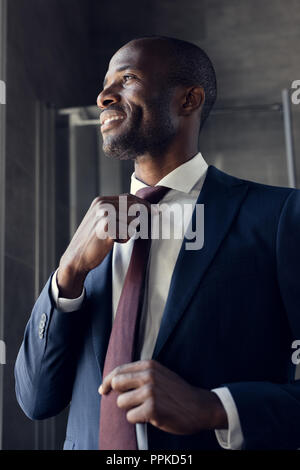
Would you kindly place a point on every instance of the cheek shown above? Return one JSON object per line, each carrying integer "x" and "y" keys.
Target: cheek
{"x": 133, "y": 95}
{"x": 132, "y": 102}
{"x": 144, "y": 109}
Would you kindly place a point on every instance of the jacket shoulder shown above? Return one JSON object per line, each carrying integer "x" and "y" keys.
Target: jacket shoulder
{"x": 254, "y": 186}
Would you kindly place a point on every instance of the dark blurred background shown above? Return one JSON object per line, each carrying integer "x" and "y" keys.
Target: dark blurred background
{"x": 54, "y": 55}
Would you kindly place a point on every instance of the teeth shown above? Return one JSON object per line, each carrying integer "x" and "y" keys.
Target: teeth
{"x": 114, "y": 118}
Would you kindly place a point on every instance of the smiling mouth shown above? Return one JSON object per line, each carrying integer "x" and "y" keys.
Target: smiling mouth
{"x": 111, "y": 122}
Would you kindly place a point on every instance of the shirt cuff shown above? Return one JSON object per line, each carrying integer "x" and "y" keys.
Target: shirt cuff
{"x": 62, "y": 304}
{"x": 231, "y": 438}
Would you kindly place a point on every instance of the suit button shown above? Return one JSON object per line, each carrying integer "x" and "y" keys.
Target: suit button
{"x": 43, "y": 320}
{"x": 42, "y": 325}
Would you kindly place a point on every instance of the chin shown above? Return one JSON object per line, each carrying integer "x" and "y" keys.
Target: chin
{"x": 117, "y": 153}
{"x": 125, "y": 147}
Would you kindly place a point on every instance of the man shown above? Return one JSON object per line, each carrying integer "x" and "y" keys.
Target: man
{"x": 212, "y": 363}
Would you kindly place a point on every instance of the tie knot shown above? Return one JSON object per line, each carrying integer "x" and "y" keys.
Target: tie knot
{"x": 152, "y": 194}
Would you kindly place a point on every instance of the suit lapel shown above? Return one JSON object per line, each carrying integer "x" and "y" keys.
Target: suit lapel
{"x": 101, "y": 298}
{"x": 222, "y": 196}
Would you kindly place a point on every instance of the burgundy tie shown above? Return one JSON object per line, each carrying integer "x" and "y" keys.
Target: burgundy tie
{"x": 116, "y": 433}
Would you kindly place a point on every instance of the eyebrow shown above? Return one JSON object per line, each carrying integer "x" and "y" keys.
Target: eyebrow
{"x": 124, "y": 67}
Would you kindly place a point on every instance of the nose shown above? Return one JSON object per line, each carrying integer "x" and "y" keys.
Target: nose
{"x": 107, "y": 97}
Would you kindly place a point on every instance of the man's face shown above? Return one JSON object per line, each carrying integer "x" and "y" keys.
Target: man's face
{"x": 137, "y": 99}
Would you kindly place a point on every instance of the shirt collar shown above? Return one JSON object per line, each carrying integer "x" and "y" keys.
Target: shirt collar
{"x": 183, "y": 178}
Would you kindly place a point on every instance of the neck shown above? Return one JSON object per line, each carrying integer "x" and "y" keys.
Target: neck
{"x": 151, "y": 169}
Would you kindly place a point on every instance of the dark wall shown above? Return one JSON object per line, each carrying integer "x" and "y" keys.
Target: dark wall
{"x": 47, "y": 62}
{"x": 49, "y": 51}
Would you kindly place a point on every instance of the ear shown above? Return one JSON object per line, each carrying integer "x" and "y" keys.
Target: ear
{"x": 194, "y": 99}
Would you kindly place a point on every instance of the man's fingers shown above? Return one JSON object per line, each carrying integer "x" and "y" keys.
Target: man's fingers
{"x": 129, "y": 381}
{"x": 148, "y": 365}
{"x": 141, "y": 413}
{"x": 143, "y": 202}
{"x": 114, "y": 200}
{"x": 133, "y": 398}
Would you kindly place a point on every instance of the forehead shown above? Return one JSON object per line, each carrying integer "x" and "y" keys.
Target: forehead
{"x": 147, "y": 56}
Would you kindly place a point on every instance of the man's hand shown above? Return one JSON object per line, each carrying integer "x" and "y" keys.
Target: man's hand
{"x": 88, "y": 246}
{"x": 150, "y": 392}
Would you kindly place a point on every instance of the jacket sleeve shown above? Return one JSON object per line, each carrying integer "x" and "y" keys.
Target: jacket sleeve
{"x": 270, "y": 413}
{"x": 46, "y": 362}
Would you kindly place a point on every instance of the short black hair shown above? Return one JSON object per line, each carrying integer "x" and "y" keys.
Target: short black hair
{"x": 190, "y": 65}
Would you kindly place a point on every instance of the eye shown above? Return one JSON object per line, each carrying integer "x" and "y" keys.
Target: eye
{"x": 127, "y": 77}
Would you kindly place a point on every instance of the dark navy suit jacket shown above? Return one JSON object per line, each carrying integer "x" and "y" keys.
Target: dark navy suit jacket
{"x": 232, "y": 313}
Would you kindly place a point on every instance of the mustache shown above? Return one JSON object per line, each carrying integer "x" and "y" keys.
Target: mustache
{"x": 113, "y": 107}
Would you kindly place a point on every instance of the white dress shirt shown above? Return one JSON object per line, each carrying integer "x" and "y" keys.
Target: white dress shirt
{"x": 185, "y": 183}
